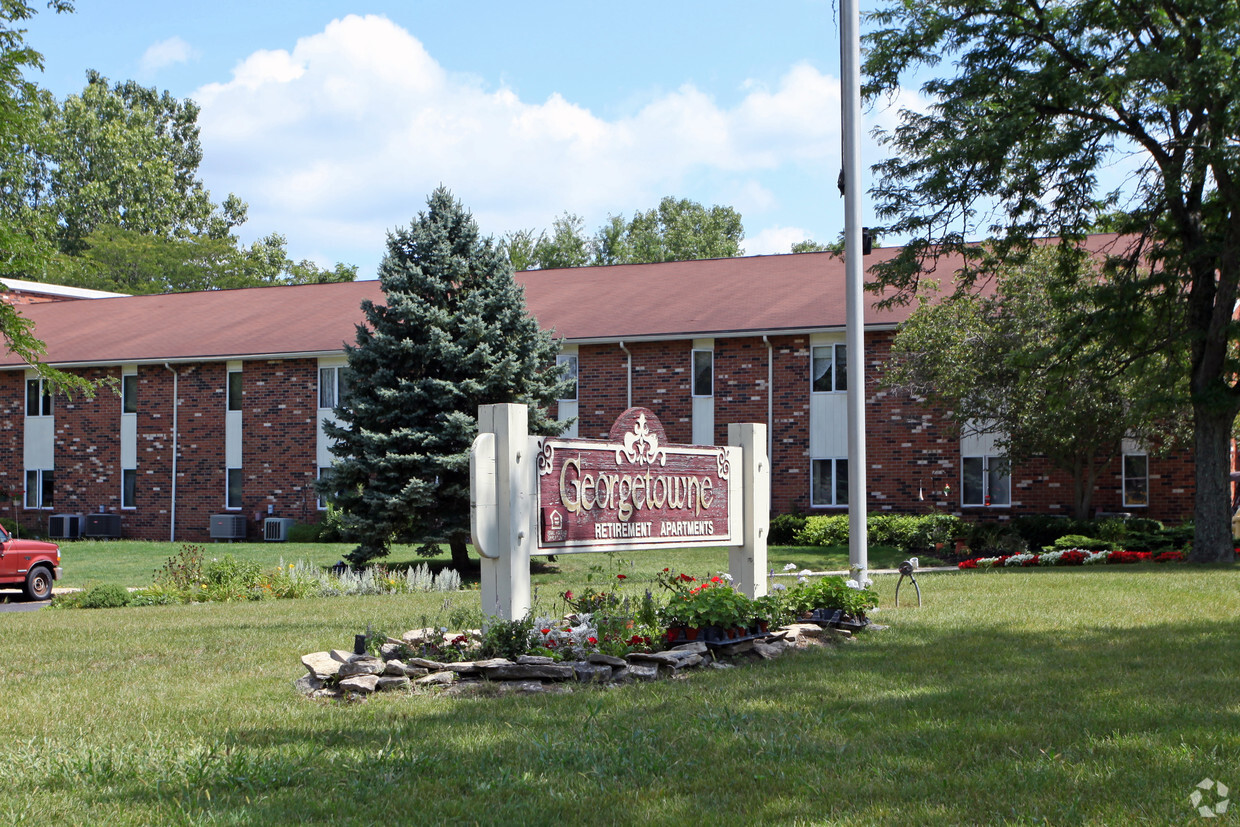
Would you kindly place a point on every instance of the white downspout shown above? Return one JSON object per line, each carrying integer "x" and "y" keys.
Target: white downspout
{"x": 172, "y": 524}
{"x": 629, "y": 379}
{"x": 770, "y": 410}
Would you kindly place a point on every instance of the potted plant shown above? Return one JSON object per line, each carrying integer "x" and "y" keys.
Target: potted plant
{"x": 822, "y": 598}
{"x": 712, "y": 605}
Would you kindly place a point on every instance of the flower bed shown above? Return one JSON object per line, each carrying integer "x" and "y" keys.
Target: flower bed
{"x": 1073, "y": 557}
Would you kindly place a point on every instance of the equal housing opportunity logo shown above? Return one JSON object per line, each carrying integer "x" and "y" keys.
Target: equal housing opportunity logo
{"x": 1210, "y": 798}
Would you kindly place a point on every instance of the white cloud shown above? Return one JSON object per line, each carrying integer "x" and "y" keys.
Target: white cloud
{"x": 166, "y": 53}
{"x": 775, "y": 240}
{"x": 348, "y": 132}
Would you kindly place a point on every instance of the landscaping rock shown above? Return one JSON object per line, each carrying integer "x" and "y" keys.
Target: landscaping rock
{"x": 432, "y": 665}
{"x": 361, "y": 684}
{"x": 341, "y": 655}
{"x": 643, "y": 671}
{"x": 592, "y": 672}
{"x": 437, "y": 679}
{"x": 607, "y": 660}
{"x": 518, "y": 672}
{"x": 389, "y": 684}
{"x": 471, "y": 667}
{"x": 394, "y": 668}
{"x": 697, "y": 647}
{"x": 321, "y": 664}
{"x": 538, "y": 660}
{"x": 362, "y": 667}
{"x": 388, "y": 651}
{"x": 308, "y": 684}
{"x": 766, "y": 651}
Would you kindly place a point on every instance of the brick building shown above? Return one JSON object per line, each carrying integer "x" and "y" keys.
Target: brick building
{"x": 254, "y": 372}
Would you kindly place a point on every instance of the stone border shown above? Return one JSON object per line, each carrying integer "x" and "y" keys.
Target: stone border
{"x": 341, "y": 675}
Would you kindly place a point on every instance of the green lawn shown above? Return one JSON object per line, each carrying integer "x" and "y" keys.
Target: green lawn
{"x": 133, "y": 562}
{"x": 1064, "y": 696}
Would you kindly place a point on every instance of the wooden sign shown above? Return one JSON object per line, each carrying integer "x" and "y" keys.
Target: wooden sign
{"x": 632, "y": 489}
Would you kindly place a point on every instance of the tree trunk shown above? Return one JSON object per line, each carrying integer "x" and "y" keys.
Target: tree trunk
{"x": 1212, "y": 541}
{"x": 460, "y": 554}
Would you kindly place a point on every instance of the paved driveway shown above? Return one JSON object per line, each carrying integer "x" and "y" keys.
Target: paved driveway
{"x": 13, "y": 602}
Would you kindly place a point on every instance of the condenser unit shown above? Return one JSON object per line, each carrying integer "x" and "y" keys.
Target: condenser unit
{"x": 275, "y": 529}
{"x": 64, "y": 526}
{"x": 102, "y": 526}
{"x": 227, "y": 527}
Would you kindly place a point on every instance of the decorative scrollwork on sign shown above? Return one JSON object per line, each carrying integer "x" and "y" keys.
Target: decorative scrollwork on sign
{"x": 546, "y": 458}
{"x": 641, "y": 447}
{"x": 724, "y": 467}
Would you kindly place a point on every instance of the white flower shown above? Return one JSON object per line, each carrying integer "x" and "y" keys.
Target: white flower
{"x": 852, "y": 584}
{"x": 779, "y": 587}
{"x": 790, "y": 567}
{"x": 802, "y": 579}
{"x": 806, "y": 572}
{"x": 725, "y": 576}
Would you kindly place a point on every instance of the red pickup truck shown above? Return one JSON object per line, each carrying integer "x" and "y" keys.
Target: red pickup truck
{"x": 31, "y": 565}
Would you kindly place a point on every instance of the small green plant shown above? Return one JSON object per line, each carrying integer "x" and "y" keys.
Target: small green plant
{"x": 507, "y": 638}
{"x": 183, "y": 571}
{"x": 104, "y": 596}
{"x": 831, "y": 593}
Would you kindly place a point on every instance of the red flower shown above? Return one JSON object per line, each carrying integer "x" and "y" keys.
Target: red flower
{"x": 716, "y": 579}
{"x": 568, "y": 595}
{"x": 620, "y": 576}
{"x": 668, "y": 570}
{"x": 686, "y": 578}
{"x": 591, "y": 640}
{"x": 968, "y": 564}
{"x": 545, "y": 631}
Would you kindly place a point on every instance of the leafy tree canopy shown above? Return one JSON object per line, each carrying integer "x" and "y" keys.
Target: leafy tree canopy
{"x": 675, "y": 230}
{"x": 1032, "y": 105}
{"x": 1006, "y": 361}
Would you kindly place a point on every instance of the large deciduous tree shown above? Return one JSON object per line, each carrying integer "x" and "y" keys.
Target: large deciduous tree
{"x": 1005, "y": 360}
{"x": 452, "y": 334}
{"x": 24, "y": 246}
{"x": 1033, "y": 104}
{"x": 676, "y": 230}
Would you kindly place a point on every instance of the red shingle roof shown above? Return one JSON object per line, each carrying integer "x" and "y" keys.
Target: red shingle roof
{"x": 685, "y": 299}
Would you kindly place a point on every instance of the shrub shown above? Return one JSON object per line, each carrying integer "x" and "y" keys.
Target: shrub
{"x": 824, "y": 531}
{"x": 784, "y": 529}
{"x": 305, "y": 533}
{"x": 1080, "y": 541}
{"x": 104, "y": 596}
{"x": 910, "y": 533}
{"x": 507, "y": 638}
{"x": 182, "y": 571}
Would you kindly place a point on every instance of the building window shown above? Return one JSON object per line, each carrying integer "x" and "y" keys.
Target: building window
{"x": 987, "y": 481}
{"x": 233, "y": 495}
{"x": 129, "y": 488}
{"x": 234, "y": 390}
{"x": 40, "y": 486}
{"x": 828, "y": 482}
{"x": 829, "y": 368}
{"x": 333, "y": 384}
{"x": 129, "y": 393}
{"x": 703, "y": 372}
{"x": 1136, "y": 480}
{"x": 38, "y": 398}
{"x": 570, "y": 373}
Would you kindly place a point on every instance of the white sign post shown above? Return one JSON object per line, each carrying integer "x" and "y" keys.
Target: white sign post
{"x": 506, "y": 514}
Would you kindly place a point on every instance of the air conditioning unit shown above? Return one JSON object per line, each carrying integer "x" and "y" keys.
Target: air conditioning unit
{"x": 275, "y": 529}
{"x": 227, "y": 527}
{"x": 64, "y": 526}
{"x": 103, "y": 526}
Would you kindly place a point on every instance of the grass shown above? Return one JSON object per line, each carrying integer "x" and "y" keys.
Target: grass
{"x": 133, "y": 562}
{"x": 1064, "y": 696}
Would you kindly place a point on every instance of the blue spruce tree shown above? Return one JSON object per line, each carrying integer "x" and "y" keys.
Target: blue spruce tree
{"x": 453, "y": 334}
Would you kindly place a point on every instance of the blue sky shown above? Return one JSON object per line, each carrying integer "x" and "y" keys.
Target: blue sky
{"x": 334, "y": 121}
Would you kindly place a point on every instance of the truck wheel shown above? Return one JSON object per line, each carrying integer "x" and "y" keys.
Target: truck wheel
{"x": 38, "y": 584}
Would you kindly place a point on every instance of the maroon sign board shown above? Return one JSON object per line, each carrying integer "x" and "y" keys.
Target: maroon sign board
{"x": 633, "y": 489}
